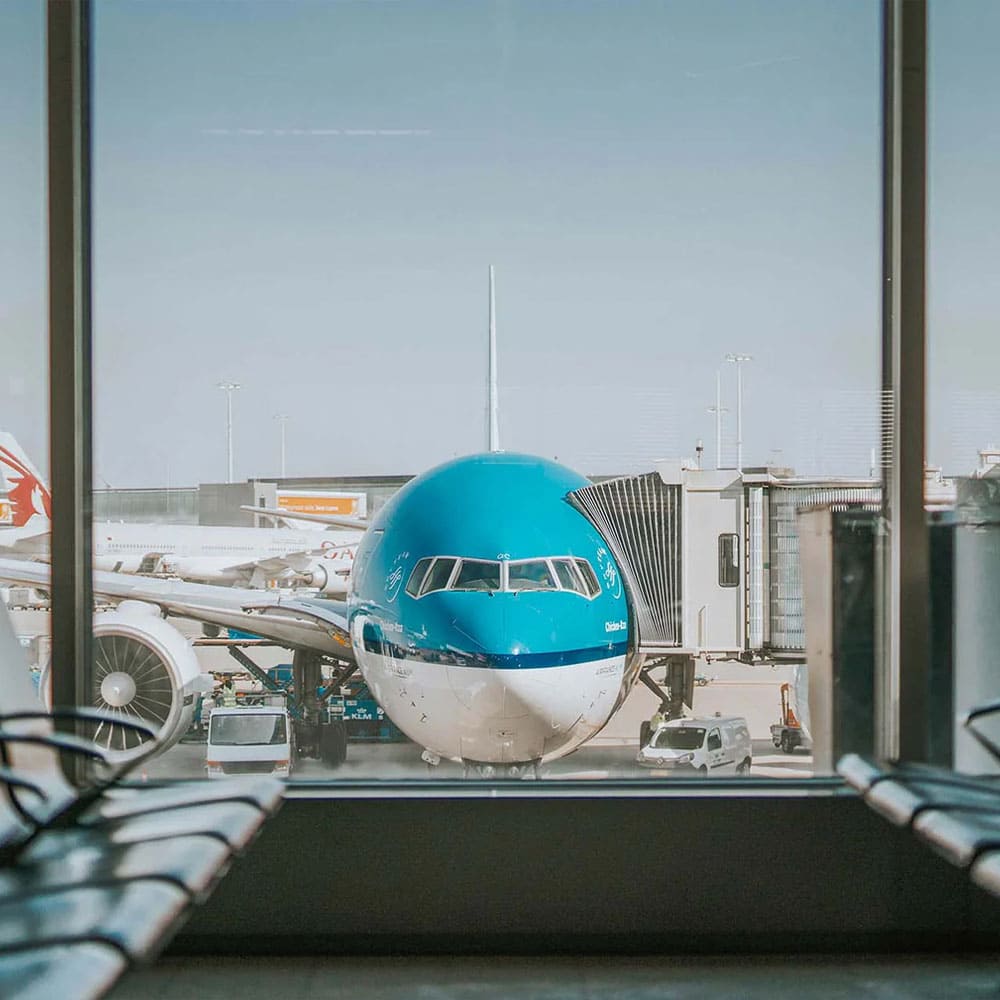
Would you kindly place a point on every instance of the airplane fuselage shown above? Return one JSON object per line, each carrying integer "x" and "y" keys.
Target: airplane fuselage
{"x": 486, "y": 614}
{"x": 204, "y": 554}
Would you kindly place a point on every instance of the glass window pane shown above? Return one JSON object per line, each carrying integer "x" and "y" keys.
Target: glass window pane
{"x": 729, "y": 560}
{"x": 963, "y": 359}
{"x": 417, "y": 577}
{"x": 437, "y": 578}
{"x": 477, "y": 574}
{"x": 568, "y": 577}
{"x": 588, "y": 151}
{"x": 531, "y": 575}
{"x": 25, "y": 500}
{"x": 589, "y": 578}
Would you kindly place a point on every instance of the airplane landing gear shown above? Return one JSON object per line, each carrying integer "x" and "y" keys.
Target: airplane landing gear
{"x": 478, "y": 769}
{"x": 333, "y": 743}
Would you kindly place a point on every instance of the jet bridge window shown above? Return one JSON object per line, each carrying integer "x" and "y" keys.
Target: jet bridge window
{"x": 439, "y": 575}
{"x": 477, "y": 574}
{"x": 729, "y": 560}
{"x": 531, "y": 574}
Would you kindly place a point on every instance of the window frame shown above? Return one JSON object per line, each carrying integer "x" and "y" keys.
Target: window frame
{"x": 69, "y": 106}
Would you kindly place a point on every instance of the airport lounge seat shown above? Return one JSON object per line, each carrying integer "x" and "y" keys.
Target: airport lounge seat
{"x": 109, "y": 799}
{"x": 36, "y": 860}
{"x": 955, "y": 815}
{"x": 233, "y": 808}
{"x": 149, "y": 814}
{"x": 99, "y": 877}
{"x": 901, "y": 792}
{"x": 85, "y": 885}
{"x": 44, "y": 972}
{"x": 89, "y": 907}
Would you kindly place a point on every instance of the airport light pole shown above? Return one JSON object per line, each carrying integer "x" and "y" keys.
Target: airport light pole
{"x": 718, "y": 410}
{"x": 739, "y": 360}
{"x": 229, "y": 388}
{"x": 282, "y": 419}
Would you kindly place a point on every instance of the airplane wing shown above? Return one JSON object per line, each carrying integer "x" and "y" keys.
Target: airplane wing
{"x": 28, "y": 540}
{"x": 280, "y": 514}
{"x": 314, "y": 624}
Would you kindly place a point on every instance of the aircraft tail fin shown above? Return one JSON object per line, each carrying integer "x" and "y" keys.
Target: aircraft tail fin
{"x": 24, "y": 497}
{"x": 493, "y": 435}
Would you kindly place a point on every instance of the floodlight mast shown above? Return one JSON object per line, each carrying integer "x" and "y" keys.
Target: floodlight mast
{"x": 229, "y": 388}
{"x": 739, "y": 360}
{"x": 718, "y": 410}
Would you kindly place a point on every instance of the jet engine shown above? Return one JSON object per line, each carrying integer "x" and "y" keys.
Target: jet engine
{"x": 145, "y": 670}
{"x": 323, "y": 575}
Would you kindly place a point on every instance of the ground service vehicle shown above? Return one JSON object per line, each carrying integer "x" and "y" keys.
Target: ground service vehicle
{"x": 250, "y": 741}
{"x": 714, "y": 745}
{"x": 788, "y": 733}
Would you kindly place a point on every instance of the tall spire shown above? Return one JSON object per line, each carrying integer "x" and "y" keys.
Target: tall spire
{"x": 494, "y": 412}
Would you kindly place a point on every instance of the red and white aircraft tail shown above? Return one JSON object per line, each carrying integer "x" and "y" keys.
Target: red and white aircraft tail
{"x": 25, "y": 501}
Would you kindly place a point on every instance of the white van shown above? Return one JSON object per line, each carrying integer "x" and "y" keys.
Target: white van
{"x": 710, "y": 746}
{"x": 250, "y": 741}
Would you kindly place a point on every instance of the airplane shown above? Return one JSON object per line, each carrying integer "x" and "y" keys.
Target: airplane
{"x": 485, "y": 612}
{"x": 248, "y": 557}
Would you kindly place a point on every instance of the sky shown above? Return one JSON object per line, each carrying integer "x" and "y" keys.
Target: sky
{"x": 305, "y": 197}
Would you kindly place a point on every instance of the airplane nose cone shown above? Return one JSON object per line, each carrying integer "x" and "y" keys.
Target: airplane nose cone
{"x": 530, "y": 688}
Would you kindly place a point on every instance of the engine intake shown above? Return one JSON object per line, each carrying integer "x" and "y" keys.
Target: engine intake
{"x": 144, "y": 670}
{"x": 325, "y": 579}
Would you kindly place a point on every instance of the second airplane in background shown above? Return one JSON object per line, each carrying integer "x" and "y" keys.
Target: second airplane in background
{"x": 245, "y": 557}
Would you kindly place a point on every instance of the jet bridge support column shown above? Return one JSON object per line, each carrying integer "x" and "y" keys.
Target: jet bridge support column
{"x": 676, "y": 691}
{"x": 680, "y": 684}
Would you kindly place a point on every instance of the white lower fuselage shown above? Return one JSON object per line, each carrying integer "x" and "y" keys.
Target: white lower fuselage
{"x": 483, "y": 714}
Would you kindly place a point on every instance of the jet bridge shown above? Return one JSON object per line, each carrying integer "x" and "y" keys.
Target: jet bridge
{"x": 710, "y": 561}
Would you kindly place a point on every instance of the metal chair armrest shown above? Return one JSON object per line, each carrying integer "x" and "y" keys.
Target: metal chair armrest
{"x": 56, "y": 741}
{"x": 12, "y": 779}
{"x": 984, "y": 741}
{"x": 76, "y": 713}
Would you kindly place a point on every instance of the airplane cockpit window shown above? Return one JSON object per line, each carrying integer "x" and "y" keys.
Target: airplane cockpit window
{"x": 450, "y": 573}
{"x": 589, "y": 577}
{"x": 439, "y": 575}
{"x": 477, "y": 574}
{"x": 532, "y": 574}
{"x": 569, "y": 576}
{"x": 417, "y": 577}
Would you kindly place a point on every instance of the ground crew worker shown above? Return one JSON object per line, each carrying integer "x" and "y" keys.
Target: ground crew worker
{"x": 656, "y": 720}
{"x": 228, "y": 692}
